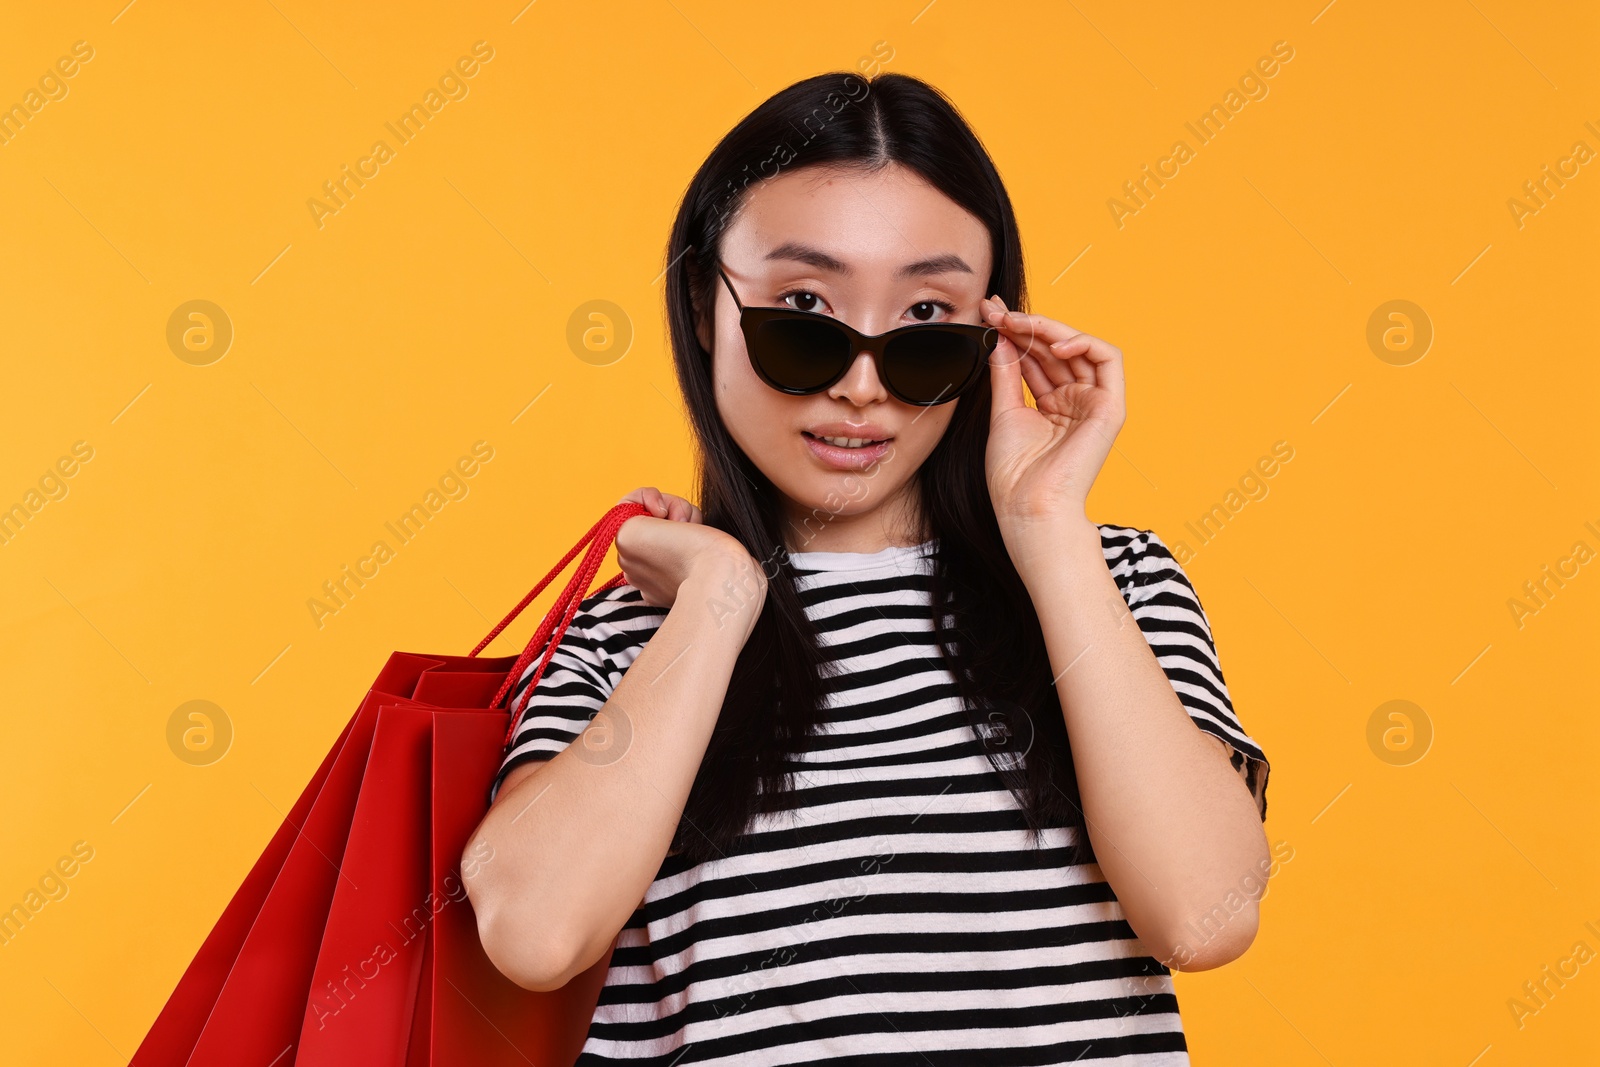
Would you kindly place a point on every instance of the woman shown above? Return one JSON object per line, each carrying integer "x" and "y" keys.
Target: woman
{"x": 821, "y": 820}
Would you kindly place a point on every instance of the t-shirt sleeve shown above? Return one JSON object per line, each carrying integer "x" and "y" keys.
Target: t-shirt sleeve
{"x": 582, "y": 674}
{"x": 1164, "y": 603}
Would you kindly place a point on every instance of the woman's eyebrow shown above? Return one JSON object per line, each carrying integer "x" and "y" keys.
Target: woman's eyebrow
{"x": 809, "y": 255}
{"x": 946, "y": 263}
{"x": 943, "y": 264}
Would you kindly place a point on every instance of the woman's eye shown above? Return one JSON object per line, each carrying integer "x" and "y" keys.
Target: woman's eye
{"x": 926, "y": 309}
{"x": 804, "y": 300}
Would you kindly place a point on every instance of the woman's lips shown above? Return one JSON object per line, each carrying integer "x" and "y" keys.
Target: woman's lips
{"x": 847, "y": 459}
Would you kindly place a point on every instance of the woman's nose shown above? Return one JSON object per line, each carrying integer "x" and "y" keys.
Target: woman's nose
{"x": 860, "y": 384}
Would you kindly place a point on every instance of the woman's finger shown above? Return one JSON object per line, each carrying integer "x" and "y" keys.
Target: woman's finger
{"x": 1030, "y": 339}
{"x": 649, "y": 496}
{"x": 1022, "y": 321}
{"x": 1066, "y": 356}
{"x": 664, "y": 505}
{"x": 1005, "y": 383}
{"x": 1052, "y": 330}
{"x": 1039, "y": 382}
{"x": 1073, "y": 356}
{"x": 1103, "y": 358}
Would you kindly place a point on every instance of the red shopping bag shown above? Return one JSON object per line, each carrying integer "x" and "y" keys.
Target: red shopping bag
{"x": 352, "y": 940}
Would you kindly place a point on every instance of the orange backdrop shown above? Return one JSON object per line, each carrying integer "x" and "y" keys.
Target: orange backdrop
{"x": 1344, "y": 248}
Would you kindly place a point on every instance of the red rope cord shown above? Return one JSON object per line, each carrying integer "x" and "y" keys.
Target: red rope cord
{"x": 557, "y": 569}
{"x": 560, "y": 615}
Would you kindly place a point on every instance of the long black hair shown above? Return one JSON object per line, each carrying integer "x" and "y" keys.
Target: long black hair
{"x": 989, "y": 632}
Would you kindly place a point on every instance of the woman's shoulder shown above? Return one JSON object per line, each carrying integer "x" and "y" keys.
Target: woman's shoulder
{"x": 1115, "y": 539}
{"x": 1138, "y": 557}
{"x": 1130, "y": 542}
{"x": 619, "y": 612}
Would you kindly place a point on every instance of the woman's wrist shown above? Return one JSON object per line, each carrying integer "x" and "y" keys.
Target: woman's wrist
{"x": 1045, "y": 550}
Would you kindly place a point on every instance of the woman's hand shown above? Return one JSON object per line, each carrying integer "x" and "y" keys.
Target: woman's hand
{"x": 664, "y": 505}
{"x": 660, "y": 551}
{"x": 1041, "y": 462}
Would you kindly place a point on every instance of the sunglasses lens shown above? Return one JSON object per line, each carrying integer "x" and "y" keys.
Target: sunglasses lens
{"x": 928, "y": 366}
{"x": 800, "y": 355}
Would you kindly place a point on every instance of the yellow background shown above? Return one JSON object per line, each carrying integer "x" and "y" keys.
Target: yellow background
{"x": 370, "y": 353}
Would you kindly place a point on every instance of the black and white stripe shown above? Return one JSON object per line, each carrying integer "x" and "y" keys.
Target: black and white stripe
{"x": 896, "y": 912}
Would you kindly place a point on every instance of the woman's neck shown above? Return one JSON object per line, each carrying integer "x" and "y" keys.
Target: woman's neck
{"x": 821, "y": 529}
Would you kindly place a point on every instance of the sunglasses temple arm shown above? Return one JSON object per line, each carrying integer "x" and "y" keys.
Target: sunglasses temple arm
{"x": 736, "y": 301}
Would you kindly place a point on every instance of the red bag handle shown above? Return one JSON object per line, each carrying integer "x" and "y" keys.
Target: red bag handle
{"x": 561, "y": 613}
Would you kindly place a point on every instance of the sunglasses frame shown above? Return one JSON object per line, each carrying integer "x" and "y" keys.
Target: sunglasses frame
{"x": 751, "y": 319}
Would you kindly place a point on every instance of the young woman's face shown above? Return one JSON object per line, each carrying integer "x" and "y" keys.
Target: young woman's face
{"x": 876, "y": 250}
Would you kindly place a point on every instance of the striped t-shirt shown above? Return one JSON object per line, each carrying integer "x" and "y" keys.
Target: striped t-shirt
{"x": 896, "y": 912}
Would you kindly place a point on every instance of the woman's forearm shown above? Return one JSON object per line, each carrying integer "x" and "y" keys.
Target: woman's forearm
{"x": 574, "y": 842}
{"x": 1174, "y": 828}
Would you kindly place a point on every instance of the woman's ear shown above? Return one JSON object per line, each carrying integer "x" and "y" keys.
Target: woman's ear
{"x": 704, "y": 328}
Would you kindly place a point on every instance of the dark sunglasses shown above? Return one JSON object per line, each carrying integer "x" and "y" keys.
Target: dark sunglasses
{"x": 804, "y": 352}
